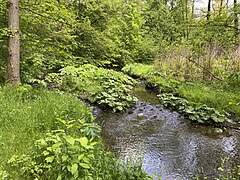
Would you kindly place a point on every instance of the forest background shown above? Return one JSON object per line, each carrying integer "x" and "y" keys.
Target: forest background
{"x": 190, "y": 53}
{"x": 195, "y": 42}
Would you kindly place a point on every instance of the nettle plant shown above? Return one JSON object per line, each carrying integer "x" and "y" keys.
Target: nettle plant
{"x": 195, "y": 112}
{"x": 108, "y": 88}
{"x": 59, "y": 156}
{"x": 62, "y": 154}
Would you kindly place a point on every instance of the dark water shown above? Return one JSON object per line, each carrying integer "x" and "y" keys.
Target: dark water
{"x": 171, "y": 147}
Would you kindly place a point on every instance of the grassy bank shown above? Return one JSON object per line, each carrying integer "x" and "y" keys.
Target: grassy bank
{"x": 36, "y": 145}
{"x": 221, "y": 95}
{"x": 204, "y": 99}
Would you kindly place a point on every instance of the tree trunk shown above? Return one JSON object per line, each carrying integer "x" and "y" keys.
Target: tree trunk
{"x": 236, "y": 24}
{"x": 208, "y": 9}
{"x": 236, "y": 21}
{"x": 193, "y": 8}
{"x": 13, "y": 63}
{"x": 220, "y": 7}
{"x": 186, "y": 18}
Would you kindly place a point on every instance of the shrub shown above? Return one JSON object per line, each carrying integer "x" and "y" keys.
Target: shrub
{"x": 138, "y": 70}
{"x": 108, "y": 88}
{"x": 196, "y": 112}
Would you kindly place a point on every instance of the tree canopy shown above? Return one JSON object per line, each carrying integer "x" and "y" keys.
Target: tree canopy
{"x": 55, "y": 34}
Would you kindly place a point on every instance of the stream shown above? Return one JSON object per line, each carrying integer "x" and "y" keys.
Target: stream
{"x": 171, "y": 147}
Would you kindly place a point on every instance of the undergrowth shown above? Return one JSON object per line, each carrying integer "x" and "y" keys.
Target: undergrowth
{"x": 51, "y": 135}
{"x": 199, "y": 113}
{"x": 107, "y": 88}
{"x": 222, "y": 98}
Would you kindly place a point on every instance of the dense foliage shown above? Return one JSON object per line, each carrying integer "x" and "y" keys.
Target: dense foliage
{"x": 191, "y": 52}
{"x": 48, "y": 134}
{"x": 175, "y": 34}
{"x": 200, "y": 102}
{"x": 108, "y": 88}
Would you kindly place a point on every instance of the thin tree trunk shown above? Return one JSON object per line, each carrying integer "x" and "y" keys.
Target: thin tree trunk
{"x": 13, "y": 64}
{"x": 171, "y": 4}
{"x": 193, "y": 8}
{"x": 236, "y": 23}
{"x": 209, "y": 9}
{"x": 186, "y": 18}
{"x": 221, "y": 7}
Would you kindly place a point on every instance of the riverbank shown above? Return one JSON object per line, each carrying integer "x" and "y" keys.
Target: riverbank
{"x": 222, "y": 96}
{"x": 50, "y": 134}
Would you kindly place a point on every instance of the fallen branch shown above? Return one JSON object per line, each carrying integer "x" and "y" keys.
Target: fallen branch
{"x": 205, "y": 69}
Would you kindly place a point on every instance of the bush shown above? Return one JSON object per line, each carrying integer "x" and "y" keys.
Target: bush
{"x": 108, "y": 88}
{"x": 37, "y": 146}
{"x": 195, "y": 112}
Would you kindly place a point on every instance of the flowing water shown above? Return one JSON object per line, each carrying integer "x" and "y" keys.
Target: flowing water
{"x": 170, "y": 146}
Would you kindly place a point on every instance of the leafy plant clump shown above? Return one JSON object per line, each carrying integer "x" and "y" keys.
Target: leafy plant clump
{"x": 73, "y": 152}
{"x": 108, "y": 88}
{"x": 139, "y": 70}
{"x": 59, "y": 156}
{"x": 36, "y": 146}
{"x": 63, "y": 156}
{"x": 199, "y": 113}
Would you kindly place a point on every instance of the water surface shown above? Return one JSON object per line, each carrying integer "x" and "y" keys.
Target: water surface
{"x": 171, "y": 147}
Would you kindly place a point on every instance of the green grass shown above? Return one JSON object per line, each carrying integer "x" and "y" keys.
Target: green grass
{"x": 223, "y": 96}
{"x": 212, "y": 95}
{"x": 137, "y": 69}
{"x": 26, "y": 116}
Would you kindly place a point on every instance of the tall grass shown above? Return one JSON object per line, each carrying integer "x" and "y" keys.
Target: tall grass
{"x": 26, "y": 115}
{"x": 214, "y": 95}
{"x": 213, "y": 62}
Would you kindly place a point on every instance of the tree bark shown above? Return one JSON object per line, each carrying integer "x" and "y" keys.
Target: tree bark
{"x": 208, "y": 9}
{"x": 220, "y": 7}
{"x": 193, "y": 8}
{"x": 236, "y": 24}
{"x": 13, "y": 63}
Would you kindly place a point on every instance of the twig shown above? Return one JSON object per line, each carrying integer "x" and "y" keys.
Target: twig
{"x": 199, "y": 65}
{"x": 48, "y": 17}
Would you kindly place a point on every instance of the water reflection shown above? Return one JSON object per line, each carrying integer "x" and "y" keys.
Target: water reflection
{"x": 171, "y": 147}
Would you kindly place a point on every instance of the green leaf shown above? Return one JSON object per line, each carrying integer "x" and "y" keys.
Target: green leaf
{"x": 45, "y": 153}
{"x": 84, "y": 141}
{"x": 59, "y": 177}
{"x": 70, "y": 140}
{"x": 42, "y": 143}
{"x": 49, "y": 159}
{"x": 57, "y": 145}
{"x": 80, "y": 157}
{"x": 90, "y": 155}
{"x": 64, "y": 157}
{"x": 74, "y": 168}
{"x": 86, "y": 160}
{"x": 69, "y": 168}
{"x": 84, "y": 165}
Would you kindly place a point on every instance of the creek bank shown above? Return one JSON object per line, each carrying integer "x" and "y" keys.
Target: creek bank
{"x": 170, "y": 146}
{"x": 195, "y": 111}
{"x": 171, "y": 95}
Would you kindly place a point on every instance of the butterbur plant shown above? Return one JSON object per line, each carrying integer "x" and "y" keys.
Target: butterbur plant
{"x": 108, "y": 88}
{"x": 198, "y": 113}
{"x": 88, "y": 129}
